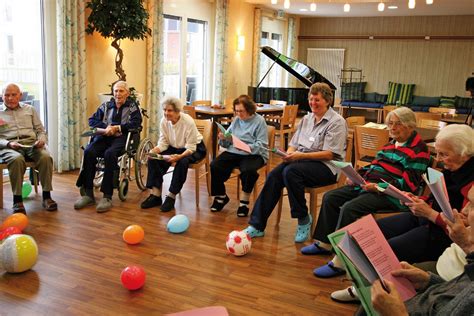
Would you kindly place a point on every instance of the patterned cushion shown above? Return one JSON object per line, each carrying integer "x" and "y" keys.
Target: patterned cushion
{"x": 370, "y": 97}
{"x": 425, "y": 101}
{"x": 380, "y": 98}
{"x": 400, "y": 92}
{"x": 353, "y": 91}
{"x": 446, "y": 102}
{"x": 462, "y": 103}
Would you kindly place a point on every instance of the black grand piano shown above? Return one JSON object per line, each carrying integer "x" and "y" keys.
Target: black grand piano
{"x": 302, "y": 72}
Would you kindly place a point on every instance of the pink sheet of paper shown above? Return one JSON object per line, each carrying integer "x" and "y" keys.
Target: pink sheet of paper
{"x": 396, "y": 193}
{"x": 371, "y": 240}
{"x": 240, "y": 144}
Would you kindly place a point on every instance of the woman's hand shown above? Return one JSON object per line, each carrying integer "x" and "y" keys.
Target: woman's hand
{"x": 174, "y": 158}
{"x": 293, "y": 156}
{"x": 417, "y": 277}
{"x": 387, "y": 303}
{"x": 458, "y": 232}
{"x": 419, "y": 208}
{"x": 370, "y": 187}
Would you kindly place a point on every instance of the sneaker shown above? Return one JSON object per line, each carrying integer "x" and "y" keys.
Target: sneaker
{"x": 104, "y": 205}
{"x": 18, "y": 208}
{"x": 50, "y": 205}
{"x": 151, "y": 201}
{"x": 314, "y": 249}
{"x": 303, "y": 231}
{"x": 168, "y": 204}
{"x": 83, "y": 202}
{"x": 348, "y": 295}
{"x": 242, "y": 211}
{"x": 219, "y": 203}
{"x": 328, "y": 271}
{"x": 253, "y": 232}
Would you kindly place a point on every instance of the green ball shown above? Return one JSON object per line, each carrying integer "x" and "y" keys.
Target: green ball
{"x": 26, "y": 189}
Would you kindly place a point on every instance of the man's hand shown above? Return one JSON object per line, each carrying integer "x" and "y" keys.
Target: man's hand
{"x": 155, "y": 150}
{"x": 419, "y": 208}
{"x": 417, "y": 277}
{"x": 174, "y": 158}
{"x": 458, "y": 232}
{"x": 293, "y": 156}
{"x": 387, "y": 303}
{"x": 14, "y": 145}
{"x": 112, "y": 130}
{"x": 39, "y": 144}
{"x": 370, "y": 187}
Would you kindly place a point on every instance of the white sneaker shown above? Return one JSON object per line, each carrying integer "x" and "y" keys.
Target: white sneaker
{"x": 348, "y": 295}
{"x": 104, "y": 205}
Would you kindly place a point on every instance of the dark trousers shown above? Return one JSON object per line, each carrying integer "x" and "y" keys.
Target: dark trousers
{"x": 344, "y": 205}
{"x": 414, "y": 239}
{"x": 158, "y": 168}
{"x": 103, "y": 146}
{"x": 222, "y": 166}
{"x": 295, "y": 177}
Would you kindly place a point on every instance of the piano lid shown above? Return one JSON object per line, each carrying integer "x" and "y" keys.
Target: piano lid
{"x": 304, "y": 73}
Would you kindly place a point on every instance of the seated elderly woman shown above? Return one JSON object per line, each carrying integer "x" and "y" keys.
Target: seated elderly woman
{"x": 319, "y": 138}
{"x": 435, "y": 296}
{"x": 250, "y": 128}
{"x": 400, "y": 163}
{"x": 180, "y": 143}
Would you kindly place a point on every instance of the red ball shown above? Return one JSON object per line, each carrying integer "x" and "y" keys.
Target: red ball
{"x": 133, "y": 277}
{"x": 4, "y": 233}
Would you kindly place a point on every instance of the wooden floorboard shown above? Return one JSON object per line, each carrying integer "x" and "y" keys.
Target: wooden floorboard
{"x": 82, "y": 255}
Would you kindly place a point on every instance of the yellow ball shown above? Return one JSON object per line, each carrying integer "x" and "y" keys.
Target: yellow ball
{"x": 18, "y": 253}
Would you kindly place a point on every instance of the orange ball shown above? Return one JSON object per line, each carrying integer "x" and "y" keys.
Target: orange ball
{"x": 19, "y": 220}
{"x": 133, "y": 234}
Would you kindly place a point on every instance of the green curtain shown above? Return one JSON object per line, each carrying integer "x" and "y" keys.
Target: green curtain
{"x": 220, "y": 47}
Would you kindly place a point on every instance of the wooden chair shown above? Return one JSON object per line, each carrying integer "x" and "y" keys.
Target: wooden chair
{"x": 387, "y": 109}
{"x": 286, "y": 125}
{"x": 427, "y": 116}
{"x": 190, "y": 110}
{"x": 426, "y": 123}
{"x": 205, "y": 128}
{"x": 29, "y": 164}
{"x": 355, "y": 120}
{"x": 314, "y": 192}
{"x": 264, "y": 170}
{"x": 442, "y": 110}
{"x": 368, "y": 141}
{"x": 202, "y": 103}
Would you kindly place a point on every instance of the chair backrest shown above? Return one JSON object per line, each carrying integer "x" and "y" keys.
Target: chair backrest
{"x": 442, "y": 110}
{"x": 205, "y": 128}
{"x": 387, "y": 109}
{"x": 202, "y": 102}
{"x": 278, "y": 102}
{"x": 427, "y": 116}
{"x": 426, "y": 123}
{"x": 355, "y": 120}
{"x": 190, "y": 110}
{"x": 350, "y": 144}
{"x": 271, "y": 144}
{"x": 288, "y": 118}
{"x": 368, "y": 141}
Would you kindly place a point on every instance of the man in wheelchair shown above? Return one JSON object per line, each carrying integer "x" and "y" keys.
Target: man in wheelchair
{"x": 113, "y": 120}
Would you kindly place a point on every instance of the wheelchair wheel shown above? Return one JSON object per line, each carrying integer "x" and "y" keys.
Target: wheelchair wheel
{"x": 141, "y": 162}
{"x": 123, "y": 189}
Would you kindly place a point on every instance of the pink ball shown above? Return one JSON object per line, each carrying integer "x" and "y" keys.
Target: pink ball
{"x": 133, "y": 277}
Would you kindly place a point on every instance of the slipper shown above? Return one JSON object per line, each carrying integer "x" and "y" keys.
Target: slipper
{"x": 328, "y": 271}
{"x": 347, "y": 295}
{"x": 314, "y": 249}
{"x": 303, "y": 231}
{"x": 50, "y": 205}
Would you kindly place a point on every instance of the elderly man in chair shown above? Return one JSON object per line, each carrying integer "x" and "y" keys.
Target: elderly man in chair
{"x": 24, "y": 137}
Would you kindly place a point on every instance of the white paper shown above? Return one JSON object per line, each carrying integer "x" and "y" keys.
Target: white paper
{"x": 437, "y": 185}
{"x": 349, "y": 171}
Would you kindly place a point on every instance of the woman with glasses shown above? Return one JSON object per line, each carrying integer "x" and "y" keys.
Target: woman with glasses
{"x": 250, "y": 128}
{"x": 400, "y": 163}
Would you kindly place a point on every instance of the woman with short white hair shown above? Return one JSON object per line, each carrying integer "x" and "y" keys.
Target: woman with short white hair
{"x": 181, "y": 143}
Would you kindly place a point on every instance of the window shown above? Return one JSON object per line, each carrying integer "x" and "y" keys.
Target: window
{"x": 195, "y": 60}
{"x": 21, "y": 50}
{"x": 172, "y": 56}
{"x": 274, "y": 77}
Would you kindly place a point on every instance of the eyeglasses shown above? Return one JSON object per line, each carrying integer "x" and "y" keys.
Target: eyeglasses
{"x": 396, "y": 123}
{"x": 441, "y": 155}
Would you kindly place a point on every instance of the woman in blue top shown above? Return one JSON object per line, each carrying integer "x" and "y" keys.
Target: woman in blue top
{"x": 250, "y": 128}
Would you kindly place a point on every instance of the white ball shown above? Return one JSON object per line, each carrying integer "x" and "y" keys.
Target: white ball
{"x": 238, "y": 243}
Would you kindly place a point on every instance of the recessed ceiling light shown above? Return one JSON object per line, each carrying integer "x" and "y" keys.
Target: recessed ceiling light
{"x": 392, "y": 7}
{"x": 303, "y": 10}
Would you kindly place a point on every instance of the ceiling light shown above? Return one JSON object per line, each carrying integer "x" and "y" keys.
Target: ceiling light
{"x": 392, "y": 7}
{"x": 303, "y": 10}
{"x": 312, "y": 7}
{"x": 286, "y": 4}
{"x": 411, "y": 4}
{"x": 381, "y": 6}
{"x": 429, "y": 1}
{"x": 274, "y": 1}
{"x": 347, "y": 7}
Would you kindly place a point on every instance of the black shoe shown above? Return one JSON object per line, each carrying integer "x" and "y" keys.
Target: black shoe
{"x": 168, "y": 205}
{"x": 243, "y": 211}
{"x": 151, "y": 201}
{"x": 219, "y": 203}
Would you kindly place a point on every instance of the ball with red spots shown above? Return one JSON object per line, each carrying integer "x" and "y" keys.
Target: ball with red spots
{"x": 238, "y": 243}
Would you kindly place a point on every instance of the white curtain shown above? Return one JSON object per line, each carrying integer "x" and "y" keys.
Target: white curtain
{"x": 155, "y": 59}
{"x": 291, "y": 50}
{"x": 71, "y": 81}
{"x": 220, "y": 48}
{"x": 256, "y": 55}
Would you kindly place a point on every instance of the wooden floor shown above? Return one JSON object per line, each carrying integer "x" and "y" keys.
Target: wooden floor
{"x": 82, "y": 255}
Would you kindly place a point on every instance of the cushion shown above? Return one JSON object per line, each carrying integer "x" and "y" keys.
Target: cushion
{"x": 446, "y": 102}
{"x": 399, "y": 92}
{"x": 362, "y": 104}
{"x": 380, "y": 98}
{"x": 353, "y": 91}
{"x": 462, "y": 103}
{"x": 370, "y": 97}
{"x": 420, "y": 108}
{"x": 425, "y": 101}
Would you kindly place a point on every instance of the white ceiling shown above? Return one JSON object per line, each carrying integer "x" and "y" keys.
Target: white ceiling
{"x": 334, "y": 8}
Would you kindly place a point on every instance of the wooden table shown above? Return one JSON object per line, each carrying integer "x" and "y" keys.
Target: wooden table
{"x": 207, "y": 112}
{"x": 458, "y": 119}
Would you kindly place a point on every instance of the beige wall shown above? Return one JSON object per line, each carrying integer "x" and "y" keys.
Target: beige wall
{"x": 437, "y": 67}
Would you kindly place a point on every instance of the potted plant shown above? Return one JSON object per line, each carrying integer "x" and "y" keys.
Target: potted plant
{"x": 118, "y": 19}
